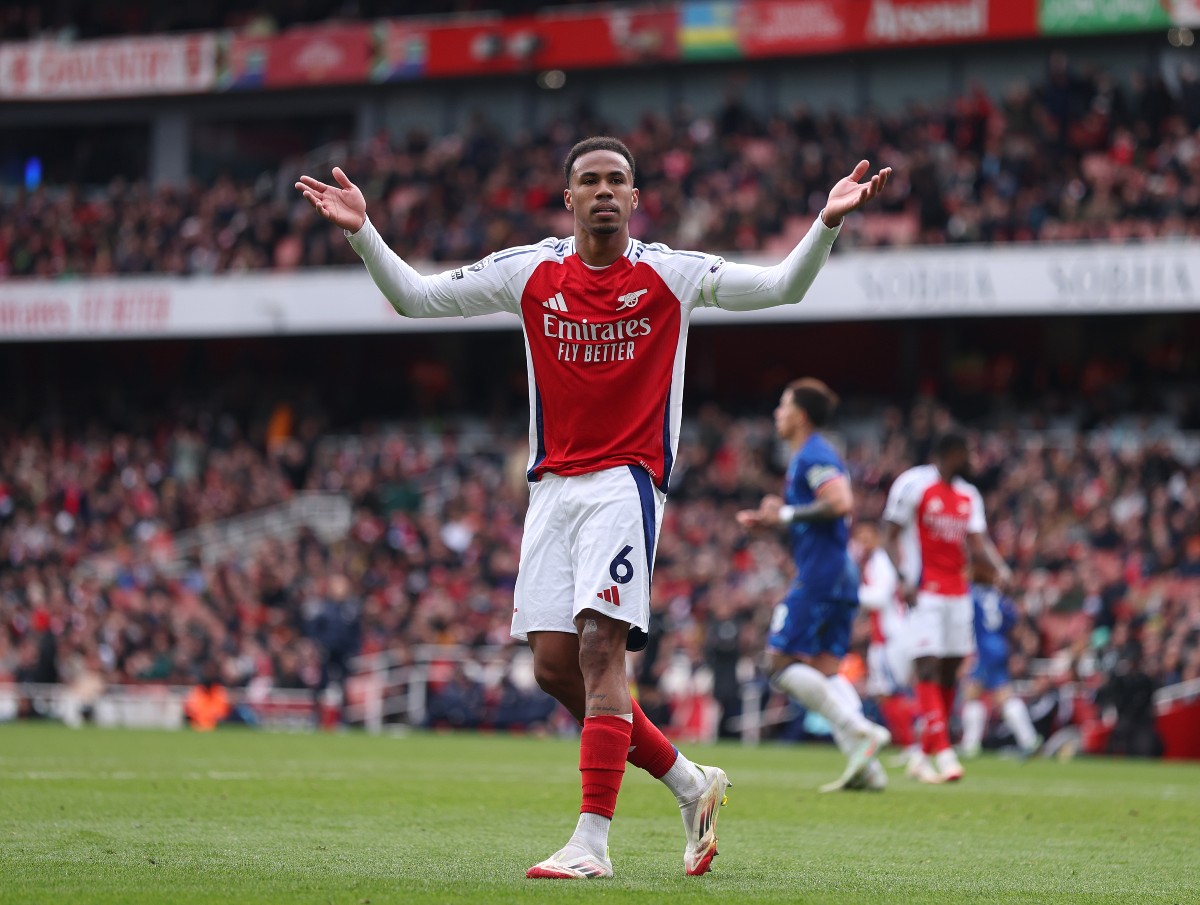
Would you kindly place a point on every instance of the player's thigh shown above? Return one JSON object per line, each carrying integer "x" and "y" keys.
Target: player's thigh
{"x": 796, "y": 626}
{"x": 926, "y": 626}
{"x": 613, "y": 533}
{"x": 836, "y": 623}
{"x": 900, "y": 660}
{"x": 546, "y": 574}
{"x": 897, "y": 650}
{"x": 991, "y": 674}
{"x": 958, "y": 626}
{"x": 555, "y": 659}
{"x": 882, "y": 680}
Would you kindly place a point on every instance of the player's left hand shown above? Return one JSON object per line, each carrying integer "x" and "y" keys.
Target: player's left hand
{"x": 342, "y": 204}
{"x": 850, "y": 194}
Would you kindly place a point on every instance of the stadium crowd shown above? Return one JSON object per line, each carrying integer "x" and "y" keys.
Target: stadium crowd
{"x": 1104, "y": 535}
{"x": 1075, "y": 156}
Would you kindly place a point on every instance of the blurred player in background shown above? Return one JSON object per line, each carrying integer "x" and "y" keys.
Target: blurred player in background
{"x": 889, "y": 663}
{"x": 810, "y": 628}
{"x": 939, "y": 518}
{"x": 605, "y": 321}
{"x": 995, "y": 618}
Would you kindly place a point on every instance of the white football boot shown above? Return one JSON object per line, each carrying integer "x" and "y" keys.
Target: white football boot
{"x": 920, "y": 769}
{"x": 948, "y": 765}
{"x": 866, "y": 746}
{"x": 573, "y": 862}
{"x": 700, "y": 822}
{"x": 874, "y": 778}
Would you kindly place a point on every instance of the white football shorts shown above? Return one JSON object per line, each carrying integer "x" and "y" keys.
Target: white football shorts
{"x": 941, "y": 626}
{"x": 889, "y": 668}
{"x": 589, "y": 544}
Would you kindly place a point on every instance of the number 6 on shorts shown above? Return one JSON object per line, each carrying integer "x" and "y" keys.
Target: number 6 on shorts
{"x": 620, "y": 569}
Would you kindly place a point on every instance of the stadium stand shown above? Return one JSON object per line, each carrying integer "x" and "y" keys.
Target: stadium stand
{"x": 1101, "y": 527}
{"x": 1074, "y": 156}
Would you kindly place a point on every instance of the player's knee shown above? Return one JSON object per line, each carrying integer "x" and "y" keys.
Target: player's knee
{"x": 599, "y": 654}
{"x": 825, "y": 663}
{"x": 601, "y": 650}
{"x": 776, "y": 680}
{"x": 777, "y": 664}
{"x": 926, "y": 669}
{"x": 556, "y": 679}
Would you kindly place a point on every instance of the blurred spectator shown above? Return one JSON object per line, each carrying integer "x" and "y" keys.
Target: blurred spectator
{"x": 207, "y": 703}
{"x": 458, "y": 703}
{"x": 1128, "y": 694}
{"x": 336, "y": 628}
{"x": 722, "y": 653}
{"x": 521, "y": 708}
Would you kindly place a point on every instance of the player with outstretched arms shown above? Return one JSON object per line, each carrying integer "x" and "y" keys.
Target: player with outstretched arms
{"x": 605, "y": 319}
{"x": 810, "y": 628}
{"x": 995, "y": 618}
{"x": 939, "y": 517}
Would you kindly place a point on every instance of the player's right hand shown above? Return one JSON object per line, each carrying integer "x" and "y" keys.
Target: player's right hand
{"x": 342, "y": 204}
{"x": 908, "y": 593}
{"x": 1005, "y": 581}
{"x": 749, "y": 519}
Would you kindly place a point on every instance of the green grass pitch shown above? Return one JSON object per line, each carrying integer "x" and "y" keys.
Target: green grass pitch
{"x": 109, "y": 816}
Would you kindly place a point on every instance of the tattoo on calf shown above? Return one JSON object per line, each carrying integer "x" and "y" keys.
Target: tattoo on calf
{"x": 597, "y": 705}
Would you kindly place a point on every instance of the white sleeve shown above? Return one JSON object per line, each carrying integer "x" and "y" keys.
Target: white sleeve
{"x": 881, "y": 590}
{"x": 685, "y": 272}
{"x": 977, "y": 521}
{"x": 483, "y": 288}
{"x": 901, "y": 500}
{"x": 744, "y": 287}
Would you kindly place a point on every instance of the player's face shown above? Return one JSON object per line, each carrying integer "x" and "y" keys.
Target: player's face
{"x": 958, "y": 464}
{"x": 866, "y": 537}
{"x": 601, "y": 192}
{"x": 788, "y": 417}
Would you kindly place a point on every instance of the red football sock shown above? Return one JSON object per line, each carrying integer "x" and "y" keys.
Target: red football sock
{"x": 934, "y": 738}
{"x": 949, "y": 693}
{"x": 603, "y": 747}
{"x": 648, "y": 747}
{"x": 898, "y": 713}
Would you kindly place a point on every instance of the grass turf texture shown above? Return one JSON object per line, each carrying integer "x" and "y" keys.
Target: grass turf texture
{"x": 114, "y": 816}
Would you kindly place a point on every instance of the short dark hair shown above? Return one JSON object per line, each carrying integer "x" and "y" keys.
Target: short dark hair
{"x": 814, "y": 398}
{"x": 950, "y": 442}
{"x": 598, "y": 143}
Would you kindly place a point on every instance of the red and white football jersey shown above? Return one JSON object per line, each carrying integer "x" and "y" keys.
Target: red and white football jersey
{"x": 604, "y": 346}
{"x": 877, "y": 594}
{"x": 937, "y": 516}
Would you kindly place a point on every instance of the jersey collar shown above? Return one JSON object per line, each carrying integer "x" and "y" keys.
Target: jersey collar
{"x": 633, "y": 250}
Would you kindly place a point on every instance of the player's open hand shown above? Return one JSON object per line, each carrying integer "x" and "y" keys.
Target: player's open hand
{"x": 850, "y": 193}
{"x": 342, "y": 204}
{"x": 765, "y": 516}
